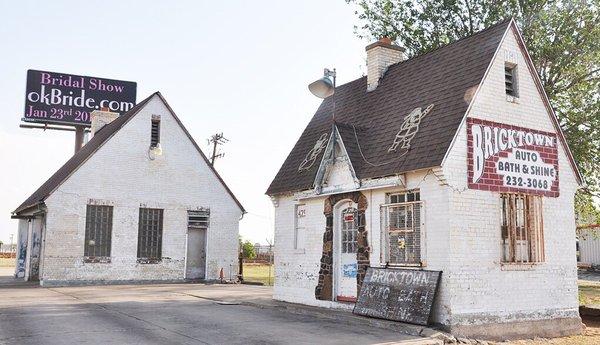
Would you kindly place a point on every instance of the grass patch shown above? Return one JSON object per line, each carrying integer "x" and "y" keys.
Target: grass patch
{"x": 259, "y": 273}
{"x": 589, "y": 293}
{"x": 6, "y": 262}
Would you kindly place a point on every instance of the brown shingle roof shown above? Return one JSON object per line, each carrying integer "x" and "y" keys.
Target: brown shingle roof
{"x": 93, "y": 145}
{"x": 442, "y": 77}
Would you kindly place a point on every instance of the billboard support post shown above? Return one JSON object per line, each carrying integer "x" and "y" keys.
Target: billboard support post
{"x": 78, "y": 137}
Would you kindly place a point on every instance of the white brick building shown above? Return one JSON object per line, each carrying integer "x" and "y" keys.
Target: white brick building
{"x": 139, "y": 202}
{"x": 477, "y": 182}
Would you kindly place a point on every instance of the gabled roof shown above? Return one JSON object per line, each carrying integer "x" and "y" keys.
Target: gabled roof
{"x": 443, "y": 77}
{"x": 99, "y": 139}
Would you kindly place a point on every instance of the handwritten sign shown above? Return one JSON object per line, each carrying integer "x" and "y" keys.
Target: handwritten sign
{"x": 504, "y": 158}
{"x": 69, "y": 99}
{"x": 398, "y": 294}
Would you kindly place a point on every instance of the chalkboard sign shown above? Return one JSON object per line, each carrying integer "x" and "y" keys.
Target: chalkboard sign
{"x": 398, "y": 294}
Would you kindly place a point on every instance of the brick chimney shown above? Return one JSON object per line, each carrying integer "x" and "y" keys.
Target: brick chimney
{"x": 380, "y": 55}
{"x": 101, "y": 118}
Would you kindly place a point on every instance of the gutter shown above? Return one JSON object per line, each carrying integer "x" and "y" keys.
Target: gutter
{"x": 32, "y": 211}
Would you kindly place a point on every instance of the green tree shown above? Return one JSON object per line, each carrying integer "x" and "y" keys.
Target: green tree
{"x": 563, "y": 39}
{"x": 248, "y": 250}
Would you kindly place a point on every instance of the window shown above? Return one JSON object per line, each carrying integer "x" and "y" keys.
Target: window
{"x": 299, "y": 219}
{"x": 410, "y": 196}
{"x": 510, "y": 80}
{"x": 98, "y": 228}
{"x": 155, "y": 131}
{"x": 522, "y": 228}
{"x": 349, "y": 230}
{"x": 198, "y": 219}
{"x": 401, "y": 229}
{"x": 150, "y": 235}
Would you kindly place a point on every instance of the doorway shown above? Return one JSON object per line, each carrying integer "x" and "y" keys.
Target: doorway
{"x": 346, "y": 224}
{"x": 195, "y": 265}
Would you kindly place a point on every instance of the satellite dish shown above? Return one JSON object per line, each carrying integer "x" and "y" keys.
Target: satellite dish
{"x": 322, "y": 88}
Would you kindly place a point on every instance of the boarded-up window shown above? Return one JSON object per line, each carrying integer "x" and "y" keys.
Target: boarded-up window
{"x": 98, "y": 228}
{"x": 401, "y": 231}
{"x": 522, "y": 228}
{"x": 198, "y": 219}
{"x": 299, "y": 225}
{"x": 150, "y": 235}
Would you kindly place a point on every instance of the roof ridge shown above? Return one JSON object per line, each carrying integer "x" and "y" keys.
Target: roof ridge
{"x": 475, "y": 34}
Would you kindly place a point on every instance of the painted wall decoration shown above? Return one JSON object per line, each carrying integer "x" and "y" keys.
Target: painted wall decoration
{"x": 505, "y": 158}
{"x": 69, "y": 99}
{"x": 311, "y": 156}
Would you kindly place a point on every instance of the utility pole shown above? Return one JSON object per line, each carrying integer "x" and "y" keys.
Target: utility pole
{"x": 216, "y": 139}
{"x": 270, "y": 258}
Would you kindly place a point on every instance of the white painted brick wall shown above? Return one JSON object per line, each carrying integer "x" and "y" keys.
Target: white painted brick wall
{"x": 462, "y": 228}
{"x": 121, "y": 173}
{"x": 297, "y": 270}
{"x": 478, "y": 284}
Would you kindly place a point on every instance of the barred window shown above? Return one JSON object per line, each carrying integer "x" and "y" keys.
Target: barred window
{"x": 350, "y": 230}
{"x": 521, "y": 228}
{"x": 401, "y": 230}
{"x": 98, "y": 229}
{"x": 150, "y": 235}
{"x": 198, "y": 219}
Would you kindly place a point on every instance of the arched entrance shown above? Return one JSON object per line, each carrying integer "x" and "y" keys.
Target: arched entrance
{"x": 345, "y": 245}
{"x": 332, "y": 278}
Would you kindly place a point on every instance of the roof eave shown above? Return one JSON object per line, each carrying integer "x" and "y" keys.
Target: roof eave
{"x": 29, "y": 211}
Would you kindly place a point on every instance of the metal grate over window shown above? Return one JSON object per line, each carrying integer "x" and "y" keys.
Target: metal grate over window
{"x": 198, "y": 219}
{"x": 510, "y": 80}
{"x": 349, "y": 230}
{"x": 521, "y": 228}
{"x": 150, "y": 235}
{"x": 401, "y": 233}
{"x": 98, "y": 229}
{"x": 155, "y": 133}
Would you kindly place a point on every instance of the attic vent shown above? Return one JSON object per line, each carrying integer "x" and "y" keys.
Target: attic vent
{"x": 198, "y": 219}
{"x": 155, "y": 131}
{"x": 510, "y": 80}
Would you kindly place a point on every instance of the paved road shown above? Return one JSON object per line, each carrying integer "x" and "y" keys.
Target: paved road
{"x": 588, "y": 276}
{"x": 167, "y": 314}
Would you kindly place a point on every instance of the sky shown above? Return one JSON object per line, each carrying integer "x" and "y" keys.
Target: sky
{"x": 237, "y": 67}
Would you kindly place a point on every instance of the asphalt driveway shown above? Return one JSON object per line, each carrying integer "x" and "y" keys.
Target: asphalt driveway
{"x": 169, "y": 314}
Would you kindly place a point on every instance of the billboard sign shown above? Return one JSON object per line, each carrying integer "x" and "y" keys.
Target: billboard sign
{"x": 69, "y": 99}
{"x": 505, "y": 158}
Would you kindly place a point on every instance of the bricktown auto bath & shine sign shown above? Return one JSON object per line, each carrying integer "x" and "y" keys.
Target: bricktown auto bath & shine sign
{"x": 506, "y": 158}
